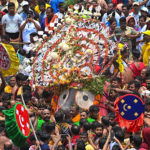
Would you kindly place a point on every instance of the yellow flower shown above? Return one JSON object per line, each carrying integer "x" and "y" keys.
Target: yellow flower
{"x": 55, "y": 66}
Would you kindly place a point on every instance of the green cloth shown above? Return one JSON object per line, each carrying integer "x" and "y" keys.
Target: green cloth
{"x": 12, "y": 128}
{"x": 40, "y": 122}
{"x": 90, "y": 120}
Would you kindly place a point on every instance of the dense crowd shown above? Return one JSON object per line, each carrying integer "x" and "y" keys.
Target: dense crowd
{"x": 128, "y": 23}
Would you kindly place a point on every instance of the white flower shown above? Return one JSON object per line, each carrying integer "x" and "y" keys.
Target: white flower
{"x": 40, "y": 39}
{"x": 89, "y": 51}
{"x": 33, "y": 86}
{"x": 59, "y": 24}
{"x": 50, "y": 32}
{"x": 64, "y": 46}
{"x": 68, "y": 20}
{"x": 54, "y": 55}
{"x": 62, "y": 20}
{"x": 55, "y": 28}
{"x": 44, "y": 36}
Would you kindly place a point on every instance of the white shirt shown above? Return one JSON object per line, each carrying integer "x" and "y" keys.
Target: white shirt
{"x": 28, "y": 29}
{"x": 12, "y": 23}
{"x": 139, "y": 46}
{"x": 105, "y": 18}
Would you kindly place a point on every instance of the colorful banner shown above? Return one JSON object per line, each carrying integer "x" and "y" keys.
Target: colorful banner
{"x": 17, "y": 124}
{"x": 130, "y": 112}
{"x": 9, "y": 62}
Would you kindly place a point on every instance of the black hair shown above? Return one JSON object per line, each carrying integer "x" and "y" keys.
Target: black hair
{"x": 137, "y": 84}
{"x": 136, "y": 53}
{"x": 86, "y": 126}
{"x": 59, "y": 116}
{"x": 27, "y": 97}
{"x": 111, "y": 20}
{"x": 75, "y": 129}
{"x": 51, "y": 9}
{"x": 19, "y": 77}
{"x": 102, "y": 142}
{"x": 6, "y": 97}
{"x": 137, "y": 141}
{"x": 94, "y": 125}
{"x": 5, "y": 37}
{"x": 61, "y": 4}
{"x": 94, "y": 108}
{"x": 84, "y": 133}
{"x": 111, "y": 115}
{"x": 48, "y": 127}
{"x": 119, "y": 134}
{"x": 99, "y": 125}
{"x": 116, "y": 147}
{"x": 116, "y": 128}
{"x": 138, "y": 78}
{"x": 26, "y": 88}
{"x": 82, "y": 121}
{"x": 105, "y": 120}
{"x": 11, "y": 4}
{"x": 122, "y": 20}
{"x": 142, "y": 17}
{"x": 44, "y": 136}
{"x": 60, "y": 147}
{"x": 117, "y": 79}
{"x": 25, "y": 146}
{"x": 80, "y": 145}
{"x": 40, "y": 3}
{"x": 33, "y": 34}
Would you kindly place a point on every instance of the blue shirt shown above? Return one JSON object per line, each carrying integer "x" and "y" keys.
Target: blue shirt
{"x": 55, "y": 5}
{"x": 41, "y": 16}
{"x": 43, "y": 23}
{"x": 23, "y": 16}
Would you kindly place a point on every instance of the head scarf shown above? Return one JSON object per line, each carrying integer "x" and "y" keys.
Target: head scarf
{"x": 128, "y": 18}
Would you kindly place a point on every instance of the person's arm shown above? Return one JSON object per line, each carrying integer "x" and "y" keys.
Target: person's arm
{"x": 105, "y": 147}
{"x": 36, "y": 25}
{"x": 122, "y": 91}
{"x": 143, "y": 3}
{"x": 117, "y": 141}
{"x": 56, "y": 142}
{"x": 91, "y": 140}
{"x": 24, "y": 24}
{"x": 69, "y": 142}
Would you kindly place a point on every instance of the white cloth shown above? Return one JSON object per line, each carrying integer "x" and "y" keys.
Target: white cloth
{"x": 12, "y": 23}
{"x": 28, "y": 29}
{"x": 139, "y": 46}
{"x": 136, "y": 17}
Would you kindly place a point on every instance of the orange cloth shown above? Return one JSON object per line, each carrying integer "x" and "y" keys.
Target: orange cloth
{"x": 76, "y": 118}
{"x": 52, "y": 21}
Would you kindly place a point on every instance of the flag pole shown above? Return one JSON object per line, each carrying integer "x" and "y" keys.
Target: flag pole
{"x": 31, "y": 123}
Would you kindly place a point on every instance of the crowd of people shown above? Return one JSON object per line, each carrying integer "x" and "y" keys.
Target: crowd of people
{"x": 128, "y": 23}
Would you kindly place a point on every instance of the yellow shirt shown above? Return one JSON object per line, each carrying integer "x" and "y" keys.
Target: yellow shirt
{"x": 38, "y": 10}
{"x": 8, "y": 89}
{"x": 146, "y": 53}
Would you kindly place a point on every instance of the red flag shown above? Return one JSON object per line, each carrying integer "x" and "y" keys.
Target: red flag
{"x": 129, "y": 111}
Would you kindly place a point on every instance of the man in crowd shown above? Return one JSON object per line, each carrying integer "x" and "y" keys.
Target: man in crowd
{"x": 11, "y": 23}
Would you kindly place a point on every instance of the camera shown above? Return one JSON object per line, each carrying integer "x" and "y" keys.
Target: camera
{"x": 29, "y": 16}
